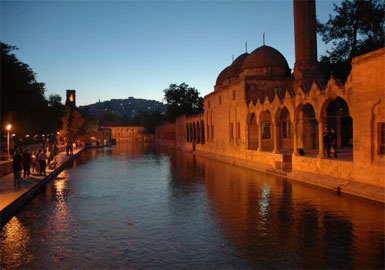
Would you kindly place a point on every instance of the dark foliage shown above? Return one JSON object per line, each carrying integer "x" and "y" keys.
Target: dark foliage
{"x": 23, "y": 103}
{"x": 357, "y": 28}
{"x": 149, "y": 120}
{"x": 182, "y": 99}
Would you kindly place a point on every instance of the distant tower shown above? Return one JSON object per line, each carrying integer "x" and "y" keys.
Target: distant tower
{"x": 305, "y": 25}
{"x": 71, "y": 98}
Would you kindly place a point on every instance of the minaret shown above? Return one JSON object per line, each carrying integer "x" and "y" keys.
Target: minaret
{"x": 305, "y": 26}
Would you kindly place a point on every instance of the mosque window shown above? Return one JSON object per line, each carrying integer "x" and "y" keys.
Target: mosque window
{"x": 233, "y": 94}
{"x": 220, "y": 100}
{"x": 212, "y": 132}
{"x": 286, "y": 128}
{"x": 239, "y": 131}
{"x": 208, "y": 104}
{"x": 381, "y": 138}
{"x": 231, "y": 131}
{"x": 266, "y": 134}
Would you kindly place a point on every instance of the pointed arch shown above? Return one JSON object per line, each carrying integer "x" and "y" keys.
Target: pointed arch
{"x": 307, "y": 131}
{"x": 266, "y": 127}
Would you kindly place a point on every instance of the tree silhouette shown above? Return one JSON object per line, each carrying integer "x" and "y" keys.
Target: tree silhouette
{"x": 357, "y": 28}
{"x": 182, "y": 99}
{"x": 23, "y": 102}
{"x": 72, "y": 122}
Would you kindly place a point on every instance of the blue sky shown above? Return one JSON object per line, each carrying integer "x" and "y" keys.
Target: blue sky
{"x": 117, "y": 49}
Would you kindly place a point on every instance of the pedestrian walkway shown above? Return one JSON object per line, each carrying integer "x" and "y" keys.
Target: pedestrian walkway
{"x": 9, "y": 193}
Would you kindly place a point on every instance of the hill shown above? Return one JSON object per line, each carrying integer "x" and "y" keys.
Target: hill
{"x": 129, "y": 107}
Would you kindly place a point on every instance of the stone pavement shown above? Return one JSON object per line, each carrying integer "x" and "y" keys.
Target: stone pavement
{"x": 9, "y": 193}
{"x": 363, "y": 190}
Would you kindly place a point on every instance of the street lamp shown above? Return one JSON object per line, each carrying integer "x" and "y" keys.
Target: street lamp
{"x": 8, "y": 129}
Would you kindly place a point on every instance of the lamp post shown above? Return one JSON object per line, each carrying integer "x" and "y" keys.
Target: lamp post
{"x": 8, "y": 129}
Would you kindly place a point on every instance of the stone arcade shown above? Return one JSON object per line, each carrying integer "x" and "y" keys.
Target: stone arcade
{"x": 260, "y": 112}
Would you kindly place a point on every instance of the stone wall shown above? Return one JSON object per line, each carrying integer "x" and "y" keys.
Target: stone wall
{"x": 129, "y": 133}
{"x": 166, "y": 134}
{"x": 367, "y": 85}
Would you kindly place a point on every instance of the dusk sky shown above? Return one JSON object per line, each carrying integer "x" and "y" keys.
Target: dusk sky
{"x": 118, "y": 49}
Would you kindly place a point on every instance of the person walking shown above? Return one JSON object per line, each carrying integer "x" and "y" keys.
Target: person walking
{"x": 26, "y": 159}
{"x": 72, "y": 148}
{"x": 17, "y": 169}
{"x": 333, "y": 138}
{"x": 43, "y": 162}
{"x": 326, "y": 141}
{"x": 67, "y": 148}
{"x": 49, "y": 154}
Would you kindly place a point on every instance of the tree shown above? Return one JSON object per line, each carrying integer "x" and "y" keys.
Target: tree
{"x": 182, "y": 99}
{"x": 149, "y": 120}
{"x": 76, "y": 122}
{"x": 91, "y": 124}
{"x": 23, "y": 102}
{"x": 72, "y": 122}
{"x": 54, "y": 113}
{"x": 357, "y": 28}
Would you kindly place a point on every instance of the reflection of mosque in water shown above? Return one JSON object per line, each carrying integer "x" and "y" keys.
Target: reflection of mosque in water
{"x": 270, "y": 219}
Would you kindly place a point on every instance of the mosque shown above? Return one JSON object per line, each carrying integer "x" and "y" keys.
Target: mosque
{"x": 263, "y": 114}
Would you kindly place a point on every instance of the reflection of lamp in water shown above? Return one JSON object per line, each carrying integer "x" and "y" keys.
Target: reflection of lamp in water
{"x": 265, "y": 200}
{"x": 15, "y": 240}
{"x": 60, "y": 186}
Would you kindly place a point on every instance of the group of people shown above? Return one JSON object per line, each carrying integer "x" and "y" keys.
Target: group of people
{"x": 24, "y": 161}
{"x": 330, "y": 142}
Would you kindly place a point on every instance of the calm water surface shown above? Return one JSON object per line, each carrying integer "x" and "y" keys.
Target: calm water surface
{"x": 133, "y": 206}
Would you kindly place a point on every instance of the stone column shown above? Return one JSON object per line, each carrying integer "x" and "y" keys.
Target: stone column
{"x": 259, "y": 137}
{"x": 275, "y": 138}
{"x": 198, "y": 133}
{"x": 295, "y": 144}
{"x": 338, "y": 130}
{"x": 320, "y": 139}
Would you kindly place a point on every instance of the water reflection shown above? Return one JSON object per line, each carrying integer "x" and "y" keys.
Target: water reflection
{"x": 338, "y": 239}
{"x": 14, "y": 241}
{"x": 276, "y": 224}
{"x": 133, "y": 206}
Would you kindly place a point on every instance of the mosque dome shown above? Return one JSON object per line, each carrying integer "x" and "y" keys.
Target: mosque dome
{"x": 233, "y": 70}
{"x": 266, "y": 61}
{"x": 222, "y": 76}
{"x": 236, "y": 67}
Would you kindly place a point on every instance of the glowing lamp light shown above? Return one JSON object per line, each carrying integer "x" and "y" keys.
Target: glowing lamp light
{"x": 58, "y": 133}
{"x": 71, "y": 98}
{"x": 8, "y": 129}
{"x": 27, "y": 136}
{"x": 13, "y": 135}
